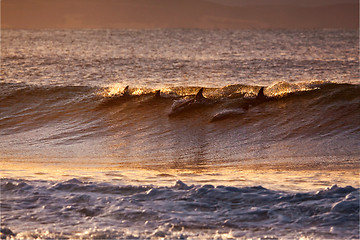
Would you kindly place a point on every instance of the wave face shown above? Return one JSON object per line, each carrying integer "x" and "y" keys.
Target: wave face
{"x": 306, "y": 119}
{"x": 93, "y": 210}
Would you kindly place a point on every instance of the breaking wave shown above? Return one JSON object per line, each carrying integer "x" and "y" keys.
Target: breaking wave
{"x": 299, "y": 108}
{"x": 296, "y": 120}
{"x": 103, "y": 210}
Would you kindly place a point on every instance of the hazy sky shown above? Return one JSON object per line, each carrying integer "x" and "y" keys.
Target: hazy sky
{"x": 37, "y": 14}
{"x": 300, "y": 3}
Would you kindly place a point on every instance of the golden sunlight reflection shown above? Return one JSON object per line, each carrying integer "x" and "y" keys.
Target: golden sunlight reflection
{"x": 275, "y": 179}
{"x": 118, "y": 88}
{"x": 113, "y": 90}
{"x": 138, "y": 91}
{"x": 279, "y": 89}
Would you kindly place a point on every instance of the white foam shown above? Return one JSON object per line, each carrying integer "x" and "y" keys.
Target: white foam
{"x": 79, "y": 209}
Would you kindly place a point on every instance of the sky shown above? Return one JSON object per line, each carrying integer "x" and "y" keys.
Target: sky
{"x": 134, "y": 14}
{"x": 299, "y": 3}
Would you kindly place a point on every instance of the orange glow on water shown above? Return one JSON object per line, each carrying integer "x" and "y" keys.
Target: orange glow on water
{"x": 275, "y": 179}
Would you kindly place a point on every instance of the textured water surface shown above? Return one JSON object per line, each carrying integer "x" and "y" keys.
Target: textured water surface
{"x": 84, "y": 157}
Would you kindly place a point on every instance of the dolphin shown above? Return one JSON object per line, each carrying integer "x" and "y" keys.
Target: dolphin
{"x": 197, "y": 101}
{"x": 259, "y": 99}
{"x": 199, "y": 96}
{"x": 126, "y": 92}
{"x": 260, "y": 96}
{"x": 157, "y": 94}
{"x": 113, "y": 100}
{"x": 229, "y": 113}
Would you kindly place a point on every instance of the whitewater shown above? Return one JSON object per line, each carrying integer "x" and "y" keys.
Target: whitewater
{"x": 84, "y": 157}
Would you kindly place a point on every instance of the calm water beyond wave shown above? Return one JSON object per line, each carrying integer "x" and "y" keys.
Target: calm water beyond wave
{"x": 82, "y": 158}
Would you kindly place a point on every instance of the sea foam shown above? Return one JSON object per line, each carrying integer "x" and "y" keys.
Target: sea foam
{"x": 78, "y": 209}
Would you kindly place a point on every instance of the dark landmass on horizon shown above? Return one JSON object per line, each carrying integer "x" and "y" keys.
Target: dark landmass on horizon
{"x": 135, "y": 14}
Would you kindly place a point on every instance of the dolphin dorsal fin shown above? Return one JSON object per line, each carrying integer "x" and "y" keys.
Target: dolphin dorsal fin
{"x": 260, "y": 94}
{"x": 126, "y": 91}
{"x": 157, "y": 94}
{"x": 199, "y": 95}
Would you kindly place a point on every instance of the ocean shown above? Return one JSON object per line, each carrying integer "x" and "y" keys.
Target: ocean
{"x": 84, "y": 157}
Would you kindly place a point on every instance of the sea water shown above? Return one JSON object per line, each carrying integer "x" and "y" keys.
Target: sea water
{"x": 80, "y": 160}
